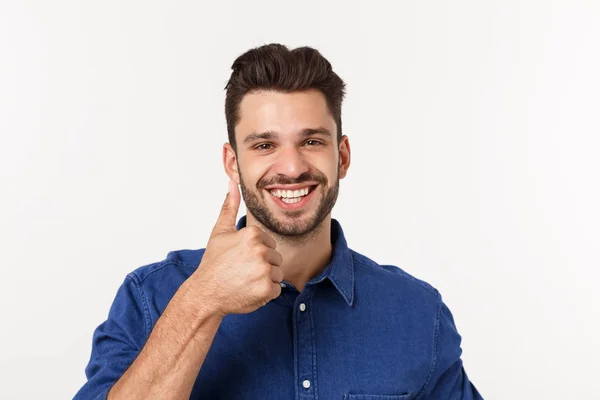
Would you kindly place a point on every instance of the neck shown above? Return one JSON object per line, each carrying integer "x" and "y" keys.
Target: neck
{"x": 303, "y": 258}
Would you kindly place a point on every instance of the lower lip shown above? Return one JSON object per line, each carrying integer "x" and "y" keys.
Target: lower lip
{"x": 293, "y": 206}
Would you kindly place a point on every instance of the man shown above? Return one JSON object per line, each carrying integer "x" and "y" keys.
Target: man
{"x": 277, "y": 306}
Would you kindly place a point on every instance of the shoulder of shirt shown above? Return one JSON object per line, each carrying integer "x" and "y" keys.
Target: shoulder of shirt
{"x": 186, "y": 259}
{"x": 394, "y": 272}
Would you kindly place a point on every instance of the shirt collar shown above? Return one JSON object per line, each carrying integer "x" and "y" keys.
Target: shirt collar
{"x": 340, "y": 270}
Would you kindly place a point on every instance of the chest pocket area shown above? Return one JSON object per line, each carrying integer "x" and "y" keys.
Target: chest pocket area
{"x": 349, "y": 396}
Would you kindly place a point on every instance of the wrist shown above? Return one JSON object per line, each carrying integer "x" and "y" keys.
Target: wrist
{"x": 200, "y": 300}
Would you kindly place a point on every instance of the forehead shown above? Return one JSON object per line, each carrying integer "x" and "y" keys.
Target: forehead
{"x": 283, "y": 112}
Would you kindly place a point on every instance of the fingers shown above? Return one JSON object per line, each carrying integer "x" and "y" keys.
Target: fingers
{"x": 256, "y": 234}
{"x": 276, "y": 290}
{"x": 268, "y": 240}
{"x": 276, "y": 274}
{"x": 274, "y": 257}
{"x": 227, "y": 217}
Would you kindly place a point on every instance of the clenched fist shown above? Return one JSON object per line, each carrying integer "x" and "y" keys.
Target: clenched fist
{"x": 240, "y": 270}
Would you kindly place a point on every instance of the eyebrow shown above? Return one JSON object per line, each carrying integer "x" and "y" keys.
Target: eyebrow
{"x": 271, "y": 135}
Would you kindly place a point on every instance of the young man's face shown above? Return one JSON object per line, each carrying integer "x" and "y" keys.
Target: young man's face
{"x": 288, "y": 160}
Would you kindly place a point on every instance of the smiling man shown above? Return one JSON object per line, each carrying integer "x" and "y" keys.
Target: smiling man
{"x": 277, "y": 306}
{"x": 292, "y": 162}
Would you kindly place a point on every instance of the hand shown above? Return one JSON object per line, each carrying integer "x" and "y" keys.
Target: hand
{"x": 240, "y": 270}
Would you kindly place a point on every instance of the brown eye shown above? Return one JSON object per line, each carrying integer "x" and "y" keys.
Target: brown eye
{"x": 260, "y": 146}
{"x": 313, "y": 141}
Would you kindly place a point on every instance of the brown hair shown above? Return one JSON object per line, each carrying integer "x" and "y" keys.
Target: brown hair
{"x": 275, "y": 67}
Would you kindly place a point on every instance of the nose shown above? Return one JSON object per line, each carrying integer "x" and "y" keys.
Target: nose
{"x": 291, "y": 162}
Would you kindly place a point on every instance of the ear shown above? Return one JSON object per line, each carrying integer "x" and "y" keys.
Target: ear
{"x": 230, "y": 163}
{"x": 344, "y": 156}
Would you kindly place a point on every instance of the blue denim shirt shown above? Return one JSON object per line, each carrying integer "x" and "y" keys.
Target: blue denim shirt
{"x": 357, "y": 331}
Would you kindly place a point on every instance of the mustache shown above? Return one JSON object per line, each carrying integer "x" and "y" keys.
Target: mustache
{"x": 286, "y": 180}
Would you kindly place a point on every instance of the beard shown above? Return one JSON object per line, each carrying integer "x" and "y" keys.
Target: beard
{"x": 293, "y": 225}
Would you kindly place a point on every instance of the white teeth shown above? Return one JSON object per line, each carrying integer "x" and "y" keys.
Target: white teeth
{"x": 290, "y": 194}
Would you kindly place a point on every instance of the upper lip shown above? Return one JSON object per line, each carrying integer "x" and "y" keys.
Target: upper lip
{"x": 291, "y": 187}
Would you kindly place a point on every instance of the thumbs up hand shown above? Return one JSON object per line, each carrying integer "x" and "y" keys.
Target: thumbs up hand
{"x": 240, "y": 270}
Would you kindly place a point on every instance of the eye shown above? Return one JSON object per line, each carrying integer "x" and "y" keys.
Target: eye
{"x": 316, "y": 142}
{"x": 260, "y": 146}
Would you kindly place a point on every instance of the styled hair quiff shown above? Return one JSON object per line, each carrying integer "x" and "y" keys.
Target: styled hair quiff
{"x": 275, "y": 67}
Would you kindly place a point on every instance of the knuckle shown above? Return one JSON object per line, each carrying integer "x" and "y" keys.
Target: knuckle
{"x": 266, "y": 288}
{"x": 279, "y": 274}
{"x": 225, "y": 206}
{"x": 252, "y": 237}
{"x": 265, "y": 270}
{"x": 259, "y": 251}
{"x": 252, "y": 231}
{"x": 261, "y": 270}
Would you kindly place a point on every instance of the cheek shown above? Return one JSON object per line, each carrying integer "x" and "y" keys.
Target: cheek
{"x": 328, "y": 167}
{"x": 251, "y": 172}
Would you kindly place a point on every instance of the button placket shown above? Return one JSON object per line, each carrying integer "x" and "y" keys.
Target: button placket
{"x": 305, "y": 352}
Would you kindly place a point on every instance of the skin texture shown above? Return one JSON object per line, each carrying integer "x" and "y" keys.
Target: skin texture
{"x": 303, "y": 236}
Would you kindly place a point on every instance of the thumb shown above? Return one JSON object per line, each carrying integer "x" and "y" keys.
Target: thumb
{"x": 228, "y": 215}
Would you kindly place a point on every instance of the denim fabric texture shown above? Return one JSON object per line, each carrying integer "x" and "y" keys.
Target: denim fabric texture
{"x": 357, "y": 331}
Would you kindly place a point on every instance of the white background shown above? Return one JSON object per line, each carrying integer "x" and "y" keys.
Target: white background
{"x": 474, "y": 128}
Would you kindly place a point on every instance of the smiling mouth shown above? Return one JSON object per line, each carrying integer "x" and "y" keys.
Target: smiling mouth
{"x": 292, "y": 196}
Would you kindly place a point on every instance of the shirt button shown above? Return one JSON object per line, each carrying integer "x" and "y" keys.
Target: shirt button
{"x": 302, "y": 308}
{"x": 282, "y": 284}
{"x": 306, "y": 384}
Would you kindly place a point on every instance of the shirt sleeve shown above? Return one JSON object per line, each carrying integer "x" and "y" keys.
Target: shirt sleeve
{"x": 448, "y": 379}
{"x": 117, "y": 341}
